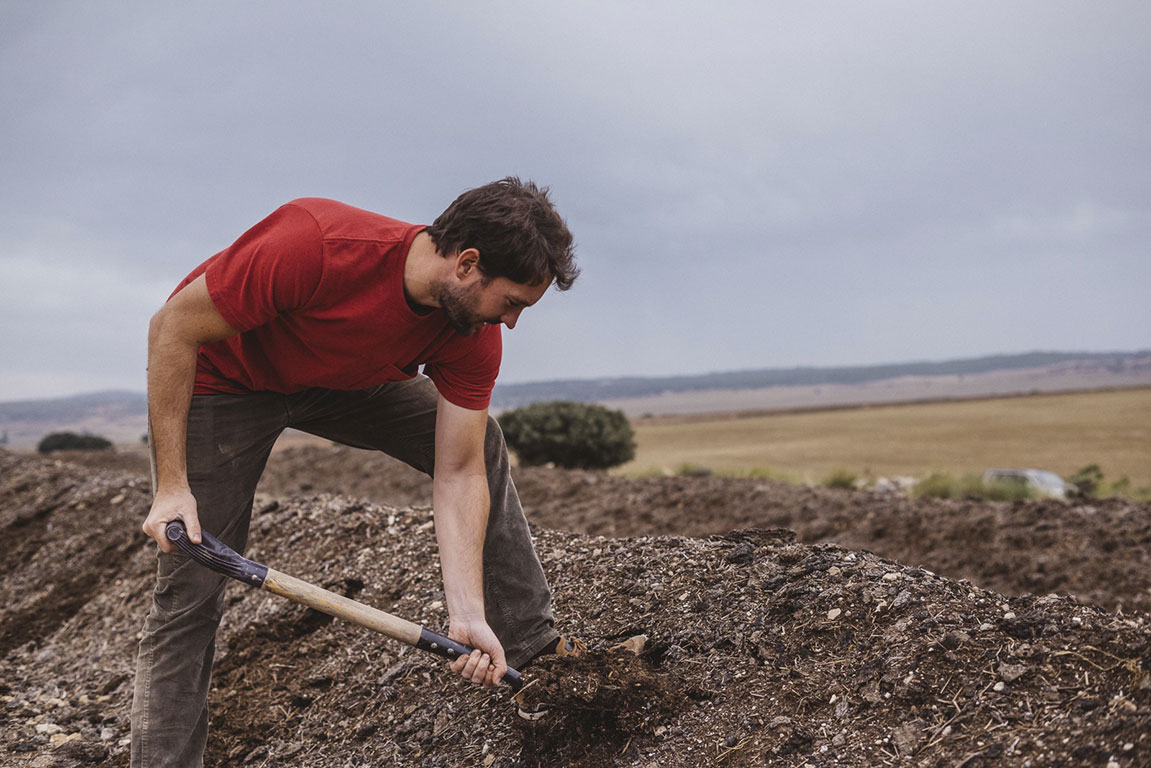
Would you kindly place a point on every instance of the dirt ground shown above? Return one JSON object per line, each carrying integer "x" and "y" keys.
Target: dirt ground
{"x": 785, "y": 625}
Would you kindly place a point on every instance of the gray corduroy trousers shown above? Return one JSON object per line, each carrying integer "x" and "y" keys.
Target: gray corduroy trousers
{"x": 229, "y": 440}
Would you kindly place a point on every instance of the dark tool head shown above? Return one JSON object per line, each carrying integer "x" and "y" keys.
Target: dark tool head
{"x": 216, "y": 555}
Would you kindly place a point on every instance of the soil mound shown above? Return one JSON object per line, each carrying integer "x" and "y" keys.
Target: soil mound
{"x": 1097, "y": 550}
{"x": 761, "y": 650}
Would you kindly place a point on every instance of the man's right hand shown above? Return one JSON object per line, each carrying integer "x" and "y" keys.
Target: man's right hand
{"x": 169, "y": 506}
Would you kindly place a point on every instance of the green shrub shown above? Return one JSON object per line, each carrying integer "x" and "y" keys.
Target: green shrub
{"x": 1120, "y": 487}
{"x": 1088, "y": 479}
{"x": 70, "y": 441}
{"x": 937, "y": 485}
{"x": 572, "y": 435}
{"x": 941, "y": 485}
{"x": 1000, "y": 490}
{"x": 688, "y": 469}
{"x": 840, "y": 478}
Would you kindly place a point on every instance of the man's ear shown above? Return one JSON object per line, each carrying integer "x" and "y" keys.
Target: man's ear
{"x": 467, "y": 263}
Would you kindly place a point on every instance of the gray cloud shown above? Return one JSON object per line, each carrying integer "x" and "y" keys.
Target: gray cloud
{"x": 750, "y": 185}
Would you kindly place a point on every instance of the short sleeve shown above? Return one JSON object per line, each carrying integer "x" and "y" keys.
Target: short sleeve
{"x": 274, "y": 267}
{"x": 465, "y": 371}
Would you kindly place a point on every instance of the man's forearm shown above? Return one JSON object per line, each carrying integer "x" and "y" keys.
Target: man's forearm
{"x": 461, "y": 513}
{"x": 171, "y": 373}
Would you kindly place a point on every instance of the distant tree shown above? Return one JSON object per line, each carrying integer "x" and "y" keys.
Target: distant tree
{"x": 569, "y": 434}
{"x": 70, "y": 441}
{"x": 1088, "y": 479}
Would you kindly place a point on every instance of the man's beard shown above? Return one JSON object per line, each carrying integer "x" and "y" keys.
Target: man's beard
{"x": 459, "y": 306}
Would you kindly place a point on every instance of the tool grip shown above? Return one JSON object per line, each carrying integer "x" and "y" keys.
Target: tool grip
{"x": 450, "y": 649}
{"x": 216, "y": 555}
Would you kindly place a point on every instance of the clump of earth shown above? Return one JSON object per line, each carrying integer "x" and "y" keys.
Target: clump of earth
{"x": 780, "y": 625}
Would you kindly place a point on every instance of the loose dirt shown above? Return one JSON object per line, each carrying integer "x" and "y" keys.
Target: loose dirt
{"x": 762, "y": 648}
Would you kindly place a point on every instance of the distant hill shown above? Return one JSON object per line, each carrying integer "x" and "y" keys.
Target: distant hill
{"x": 598, "y": 390}
{"x": 121, "y": 416}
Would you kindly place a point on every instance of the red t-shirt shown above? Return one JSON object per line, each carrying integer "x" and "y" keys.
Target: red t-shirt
{"x": 316, "y": 291}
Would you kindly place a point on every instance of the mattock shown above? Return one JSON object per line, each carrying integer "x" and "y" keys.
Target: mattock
{"x": 218, "y": 556}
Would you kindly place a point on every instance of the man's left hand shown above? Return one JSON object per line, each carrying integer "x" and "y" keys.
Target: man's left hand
{"x": 486, "y": 665}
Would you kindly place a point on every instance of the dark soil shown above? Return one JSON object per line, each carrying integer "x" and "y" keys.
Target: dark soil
{"x": 761, "y": 649}
{"x": 1097, "y": 550}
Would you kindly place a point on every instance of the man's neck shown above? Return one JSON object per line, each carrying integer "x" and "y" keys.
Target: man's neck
{"x": 420, "y": 272}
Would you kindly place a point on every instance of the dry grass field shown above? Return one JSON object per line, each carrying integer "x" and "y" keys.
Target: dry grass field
{"x": 1059, "y": 432}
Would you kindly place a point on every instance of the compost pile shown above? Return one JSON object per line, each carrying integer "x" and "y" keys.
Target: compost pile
{"x": 757, "y": 648}
{"x": 1097, "y": 550}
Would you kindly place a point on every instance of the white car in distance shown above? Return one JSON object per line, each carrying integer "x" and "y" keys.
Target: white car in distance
{"x": 1040, "y": 481}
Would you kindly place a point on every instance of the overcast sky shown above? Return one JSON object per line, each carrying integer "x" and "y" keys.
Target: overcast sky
{"x": 750, "y": 184}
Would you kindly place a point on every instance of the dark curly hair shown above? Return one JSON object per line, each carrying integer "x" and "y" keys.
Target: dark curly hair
{"x": 516, "y": 229}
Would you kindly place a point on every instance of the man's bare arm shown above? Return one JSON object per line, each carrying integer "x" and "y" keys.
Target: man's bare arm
{"x": 461, "y": 501}
{"x": 175, "y": 334}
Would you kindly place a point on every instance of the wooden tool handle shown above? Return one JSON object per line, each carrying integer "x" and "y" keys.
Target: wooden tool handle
{"x": 342, "y": 607}
{"x": 218, "y": 556}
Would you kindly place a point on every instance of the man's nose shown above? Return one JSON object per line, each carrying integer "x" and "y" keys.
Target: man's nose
{"x": 511, "y": 318}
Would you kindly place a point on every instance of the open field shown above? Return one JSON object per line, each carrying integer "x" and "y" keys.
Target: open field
{"x": 1059, "y": 432}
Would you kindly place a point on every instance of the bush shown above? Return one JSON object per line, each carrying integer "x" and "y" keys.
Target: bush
{"x": 998, "y": 490}
{"x": 840, "y": 478}
{"x": 937, "y": 485}
{"x": 1089, "y": 480}
{"x": 940, "y": 485}
{"x": 70, "y": 441}
{"x": 572, "y": 435}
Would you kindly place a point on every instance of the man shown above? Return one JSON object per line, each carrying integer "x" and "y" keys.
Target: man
{"x": 317, "y": 319}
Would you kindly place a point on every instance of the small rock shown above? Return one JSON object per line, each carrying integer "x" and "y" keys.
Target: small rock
{"x": 633, "y": 644}
{"x": 1012, "y": 672}
{"x": 985, "y": 627}
{"x": 906, "y": 738}
{"x": 891, "y": 576}
{"x": 48, "y": 728}
{"x": 107, "y": 734}
{"x": 1125, "y": 704}
{"x": 834, "y": 613}
{"x": 63, "y": 738}
{"x": 741, "y": 554}
{"x": 1009, "y": 615}
{"x": 441, "y": 723}
{"x": 999, "y": 687}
